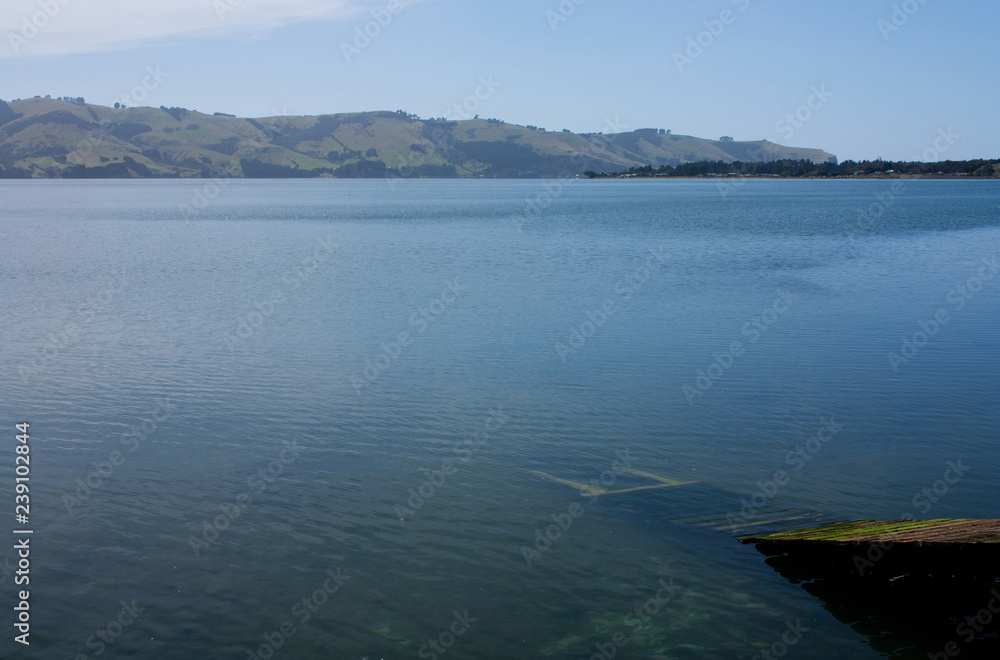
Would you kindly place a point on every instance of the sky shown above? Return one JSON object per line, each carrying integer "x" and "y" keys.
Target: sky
{"x": 862, "y": 79}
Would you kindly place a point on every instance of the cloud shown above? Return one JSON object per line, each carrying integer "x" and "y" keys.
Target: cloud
{"x": 64, "y": 27}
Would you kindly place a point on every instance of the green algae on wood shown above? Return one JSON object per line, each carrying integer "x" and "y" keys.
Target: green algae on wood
{"x": 887, "y": 550}
{"x": 922, "y": 532}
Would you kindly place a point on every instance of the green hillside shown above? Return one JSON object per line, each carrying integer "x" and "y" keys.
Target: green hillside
{"x": 49, "y": 138}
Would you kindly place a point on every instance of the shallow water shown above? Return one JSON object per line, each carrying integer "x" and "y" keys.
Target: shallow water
{"x": 209, "y": 349}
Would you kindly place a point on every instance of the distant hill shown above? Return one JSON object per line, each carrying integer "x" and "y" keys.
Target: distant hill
{"x": 49, "y": 138}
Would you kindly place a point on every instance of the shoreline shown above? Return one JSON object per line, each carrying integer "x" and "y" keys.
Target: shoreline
{"x": 868, "y": 177}
{"x": 907, "y": 177}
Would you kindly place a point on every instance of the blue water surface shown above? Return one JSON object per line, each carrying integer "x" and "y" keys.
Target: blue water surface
{"x": 310, "y": 419}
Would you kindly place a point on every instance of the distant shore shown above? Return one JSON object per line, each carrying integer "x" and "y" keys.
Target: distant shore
{"x": 897, "y": 177}
{"x": 805, "y": 169}
{"x": 863, "y": 177}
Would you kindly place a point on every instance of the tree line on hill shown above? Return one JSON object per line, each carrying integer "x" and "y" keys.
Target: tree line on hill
{"x": 794, "y": 169}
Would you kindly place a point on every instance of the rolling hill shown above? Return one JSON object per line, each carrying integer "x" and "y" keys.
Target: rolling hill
{"x": 68, "y": 138}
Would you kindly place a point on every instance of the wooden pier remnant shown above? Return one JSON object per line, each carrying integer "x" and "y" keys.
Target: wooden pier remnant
{"x": 911, "y": 587}
{"x": 944, "y": 548}
{"x": 595, "y": 488}
{"x": 676, "y": 500}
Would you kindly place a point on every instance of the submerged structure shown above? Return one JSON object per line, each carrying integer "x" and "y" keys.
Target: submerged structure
{"x": 878, "y": 549}
{"x": 914, "y": 588}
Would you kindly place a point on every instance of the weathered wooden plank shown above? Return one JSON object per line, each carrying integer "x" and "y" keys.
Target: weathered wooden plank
{"x": 922, "y": 532}
{"x": 662, "y": 482}
{"x": 655, "y": 477}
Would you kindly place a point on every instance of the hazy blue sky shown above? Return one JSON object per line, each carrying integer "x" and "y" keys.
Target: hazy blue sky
{"x": 883, "y": 91}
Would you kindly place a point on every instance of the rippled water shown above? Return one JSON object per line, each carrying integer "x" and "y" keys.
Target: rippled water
{"x": 354, "y": 379}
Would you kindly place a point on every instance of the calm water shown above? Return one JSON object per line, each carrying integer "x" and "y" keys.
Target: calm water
{"x": 225, "y": 410}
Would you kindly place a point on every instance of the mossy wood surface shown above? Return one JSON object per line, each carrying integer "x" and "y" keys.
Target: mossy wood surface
{"x": 919, "y": 532}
